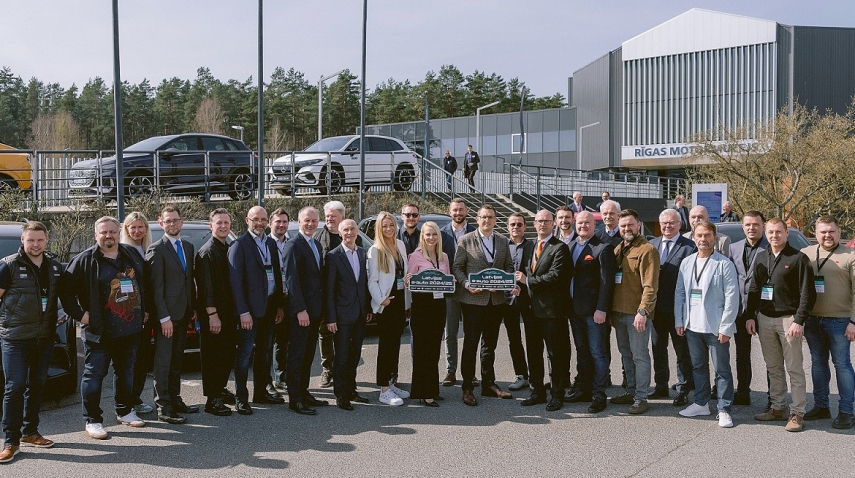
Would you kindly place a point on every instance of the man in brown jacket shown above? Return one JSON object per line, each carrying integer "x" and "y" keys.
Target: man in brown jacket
{"x": 636, "y": 283}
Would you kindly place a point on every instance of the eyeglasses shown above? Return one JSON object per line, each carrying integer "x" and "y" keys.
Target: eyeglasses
{"x": 172, "y": 222}
{"x": 543, "y": 221}
{"x": 487, "y": 218}
{"x": 410, "y": 214}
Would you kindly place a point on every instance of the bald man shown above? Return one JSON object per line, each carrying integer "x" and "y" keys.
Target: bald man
{"x": 699, "y": 214}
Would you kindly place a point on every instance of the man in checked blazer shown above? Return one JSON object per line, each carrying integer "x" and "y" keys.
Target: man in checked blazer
{"x": 482, "y": 309}
{"x": 170, "y": 263}
{"x": 544, "y": 276}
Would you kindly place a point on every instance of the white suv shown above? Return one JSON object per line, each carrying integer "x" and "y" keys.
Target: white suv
{"x": 387, "y": 161}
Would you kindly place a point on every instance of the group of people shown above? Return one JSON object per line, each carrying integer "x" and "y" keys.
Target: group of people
{"x": 270, "y": 298}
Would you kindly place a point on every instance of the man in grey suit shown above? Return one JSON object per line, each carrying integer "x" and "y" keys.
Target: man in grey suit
{"x": 699, "y": 214}
{"x": 742, "y": 254}
{"x": 705, "y": 305}
{"x": 482, "y": 309}
{"x": 170, "y": 263}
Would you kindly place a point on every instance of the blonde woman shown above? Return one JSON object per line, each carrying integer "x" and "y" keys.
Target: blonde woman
{"x": 135, "y": 232}
{"x": 387, "y": 265}
{"x": 427, "y": 321}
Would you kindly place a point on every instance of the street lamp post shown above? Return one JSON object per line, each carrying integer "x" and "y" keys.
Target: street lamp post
{"x": 478, "y": 124}
{"x": 579, "y": 164}
{"x": 321, "y": 102}
{"x": 239, "y": 128}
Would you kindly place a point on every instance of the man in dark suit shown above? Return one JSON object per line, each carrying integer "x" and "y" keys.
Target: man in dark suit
{"x": 449, "y": 164}
{"x": 742, "y": 254}
{"x": 470, "y": 166}
{"x": 591, "y": 289}
{"x": 482, "y": 309}
{"x": 683, "y": 211}
{"x": 347, "y": 310}
{"x": 451, "y": 233}
{"x": 544, "y": 277}
{"x": 610, "y": 234}
{"x": 673, "y": 248}
{"x": 256, "y": 281}
{"x": 303, "y": 263}
{"x": 170, "y": 263}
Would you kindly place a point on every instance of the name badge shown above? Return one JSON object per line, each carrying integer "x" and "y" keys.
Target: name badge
{"x": 766, "y": 292}
{"x": 695, "y": 297}
{"x": 438, "y": 295}
{"x": 269, "y": 271}
{"x": 400, "y": 284}
{"x": 284, "y": 290}
{"x": 819, "y": 284}
{"x": 44, "y": 304}
{"x": 126, "y": 286}
{"x": 618, "y": 277}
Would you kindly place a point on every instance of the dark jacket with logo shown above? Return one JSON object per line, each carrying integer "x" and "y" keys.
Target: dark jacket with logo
{"x": 21, "y": 315}
{"x": 80, "y": 291}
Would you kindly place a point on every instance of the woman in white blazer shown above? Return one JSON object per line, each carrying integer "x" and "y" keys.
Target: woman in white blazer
{"x": 387, "y": 266}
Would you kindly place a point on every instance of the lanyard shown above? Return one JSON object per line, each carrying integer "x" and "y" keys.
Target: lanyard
{"x": 487, "y": 250}
{"x": 819, "y": 266}
{"x": 695, "y": 269}
{"x": 772, "y": 267}
{"x": 434, "y": 264}
{"x": 265, "y": 253}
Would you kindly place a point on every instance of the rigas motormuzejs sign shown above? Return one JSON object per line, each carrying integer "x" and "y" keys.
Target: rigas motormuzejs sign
{"x": 680, "y": 150}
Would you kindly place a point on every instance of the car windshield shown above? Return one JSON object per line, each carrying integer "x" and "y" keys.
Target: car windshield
{"x": 329, "y": 144}
{"x": 10, "y": 245}
{"x": 736, "y": 234}
{"x": 147, "y": 145}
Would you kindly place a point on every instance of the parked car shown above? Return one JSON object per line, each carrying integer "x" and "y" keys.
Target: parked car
{"x": 181, "y": 168}
{"x": 367, "y": 225}
{"x": 383, "y": 156}
{"x": 15, "y": 170}
{"x": 734, "y": 231}
{"x": 62, "y": 372}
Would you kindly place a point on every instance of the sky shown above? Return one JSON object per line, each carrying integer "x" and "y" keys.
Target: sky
{"x": 541, "y": 42}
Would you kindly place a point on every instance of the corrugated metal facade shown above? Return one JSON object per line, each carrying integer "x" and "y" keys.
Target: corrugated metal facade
{"x": 824, "y": 69}
{"x": 591, "y": 98}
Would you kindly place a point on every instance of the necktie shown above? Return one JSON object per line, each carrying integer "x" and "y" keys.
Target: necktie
{"x": 666, "y": 248}
{"x": 537, "y": 255}
{"x": 354, "y": 263}
{"x": 180, "y": 250}
{"x": 315, "y": 251}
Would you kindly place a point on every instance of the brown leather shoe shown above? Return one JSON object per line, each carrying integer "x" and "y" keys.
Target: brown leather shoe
{"x": 795, "y": 424}
{"x": 449, "y": 380}
{"x": 772, "y": 415}
{"x": 495, "y": 391}
{"x": 37, "y": 441}
{"x": 469, "y": 398}
{"x": 8, "y": 452}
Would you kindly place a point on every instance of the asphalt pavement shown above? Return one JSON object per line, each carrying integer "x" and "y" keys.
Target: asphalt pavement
{"x": 496, "y": 438}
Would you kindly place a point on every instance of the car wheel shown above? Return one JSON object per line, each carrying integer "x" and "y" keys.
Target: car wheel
{"x": 336, "y": 178}
{"x": 242, "y": 186}
{"x": 7, "y": 184}
{"x": 139, "y": 184}
{"x": 404, "y": 178}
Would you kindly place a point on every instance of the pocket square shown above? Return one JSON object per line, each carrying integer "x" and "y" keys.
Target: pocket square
{"x": 589, "y": 258}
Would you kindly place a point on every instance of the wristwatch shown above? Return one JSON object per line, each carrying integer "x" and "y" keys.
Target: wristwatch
{"x": 642, "y": 312}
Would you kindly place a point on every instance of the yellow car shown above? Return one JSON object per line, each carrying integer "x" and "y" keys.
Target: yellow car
{"x": 15, "y": 170}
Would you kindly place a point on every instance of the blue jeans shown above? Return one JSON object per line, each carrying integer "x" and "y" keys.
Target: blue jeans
{"x": 701, "y": 347}
{"x": 592, "y": 363}
{"x": 122, "y": 352}
{"x": 825, "y": 335}
{"x": 245, "y": 344}
{"x": 25, "y": 364}
{"x": 634, "y": 349}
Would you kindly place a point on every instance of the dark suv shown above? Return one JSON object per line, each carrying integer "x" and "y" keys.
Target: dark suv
{"x": 181, "y": 164}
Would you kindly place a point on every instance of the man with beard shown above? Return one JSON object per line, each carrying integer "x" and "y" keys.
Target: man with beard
{"x": 564, "y": 223}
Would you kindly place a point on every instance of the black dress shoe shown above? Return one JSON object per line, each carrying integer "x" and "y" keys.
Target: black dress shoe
{"x": 358, "y": 398}
{"x": 577, "y": 396}
{"x": 554, "y": 405}
{"x": 302, "y": 409}
{"x": 243, "y": 408}
{"x": 817, "y": 413}
{"x": 267, "y": 397}
{"x": 844, "y": 421}
{"x": 598, "y": 405}
{"x": 428, "y": 404}
{"x": 681, "y": 399}
{"x": 228, "y": 397}
{"x": 171, "y": 417}
{"x": 533, "y": 399}
{"x": 343, "y": 403}
{"x": 180, "y": 407}
{"x": 314, "y": 402}
{"x": 659, "y": 393}
{"x": 217, "y": 408}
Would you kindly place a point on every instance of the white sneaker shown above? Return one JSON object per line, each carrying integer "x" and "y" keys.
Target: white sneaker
{"x": 96, "y": 431}
{"x": 397, "y": 391}
{"x": 519, "y": 384}
{"x": 695, "y": 410}
{"x": 389, "y": 398}
{"x": 724, "y": 420}
{"x": 131, "y": 420}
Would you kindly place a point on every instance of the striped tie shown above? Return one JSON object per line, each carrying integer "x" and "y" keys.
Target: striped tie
{"x": 537, "y": 255}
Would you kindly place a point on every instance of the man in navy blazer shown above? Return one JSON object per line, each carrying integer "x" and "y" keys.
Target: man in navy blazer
{"x": 591, "y": 289}
{"x": 347, "y": 310}
{"x": 671, "y": 254}
{"x": 303, "y": 264}
{"x": 742, "y": 254}
{"x": 256, "y": 281}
